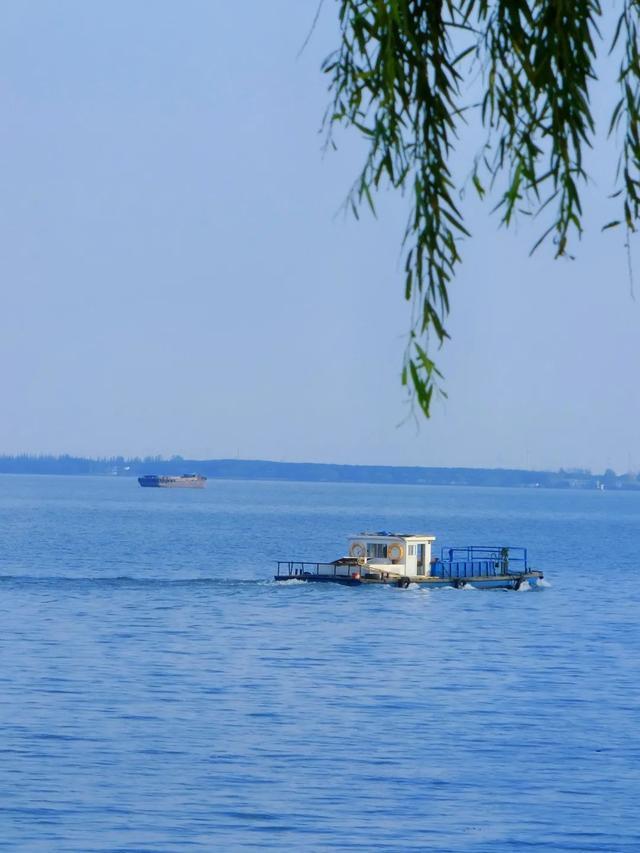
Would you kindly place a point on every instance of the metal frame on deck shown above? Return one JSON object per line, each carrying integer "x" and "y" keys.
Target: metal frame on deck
{"x": 298, "y": 568}
{"x": 473, "y": 560}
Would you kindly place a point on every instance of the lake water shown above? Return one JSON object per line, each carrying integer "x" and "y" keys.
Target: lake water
{"x": 158, "y": 692}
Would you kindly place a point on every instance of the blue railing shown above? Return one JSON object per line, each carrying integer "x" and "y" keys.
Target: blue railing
{"x": 474, "y": 560}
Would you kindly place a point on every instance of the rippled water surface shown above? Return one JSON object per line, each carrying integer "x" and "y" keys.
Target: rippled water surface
{"x": 158, "y": 692}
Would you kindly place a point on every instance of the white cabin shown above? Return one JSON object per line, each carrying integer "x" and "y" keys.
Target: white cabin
{"x": 398, "y": 553}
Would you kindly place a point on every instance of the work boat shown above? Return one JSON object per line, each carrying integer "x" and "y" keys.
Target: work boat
{"x": 401, "y": 559}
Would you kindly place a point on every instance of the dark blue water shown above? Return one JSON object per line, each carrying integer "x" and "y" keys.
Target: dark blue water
{"x": 158, "y": 692}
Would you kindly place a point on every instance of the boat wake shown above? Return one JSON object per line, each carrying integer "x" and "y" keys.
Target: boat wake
{"x": 289, "y": 582}
{"x": 124, "y": 581}
{"x": 141, "y": 582}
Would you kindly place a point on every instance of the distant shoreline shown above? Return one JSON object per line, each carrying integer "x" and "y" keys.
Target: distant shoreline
{"x": 319, "y": 472}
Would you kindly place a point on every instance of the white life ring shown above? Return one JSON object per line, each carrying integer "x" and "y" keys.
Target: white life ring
{"x": 358, "y": 549}
{"x": 395, "y": 551}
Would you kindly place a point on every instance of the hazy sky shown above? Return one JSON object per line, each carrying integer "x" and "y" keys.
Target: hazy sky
{"x": 177, "y": 276}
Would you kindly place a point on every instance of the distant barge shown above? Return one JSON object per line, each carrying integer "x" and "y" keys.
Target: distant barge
{"x": 400, "y": 559}
{"x": 184, "y": 481}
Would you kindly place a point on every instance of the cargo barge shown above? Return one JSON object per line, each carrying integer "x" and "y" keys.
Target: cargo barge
{"x": 400, "y": 559}
{"x": 184, "y": 481}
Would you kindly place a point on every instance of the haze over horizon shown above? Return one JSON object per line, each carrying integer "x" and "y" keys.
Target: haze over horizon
{"x": 178, "y": 278}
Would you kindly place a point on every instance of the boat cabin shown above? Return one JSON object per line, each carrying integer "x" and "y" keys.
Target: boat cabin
{"x": 405, "y": 554}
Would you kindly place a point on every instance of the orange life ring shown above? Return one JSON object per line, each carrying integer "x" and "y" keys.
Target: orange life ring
{"x": 395, "y": 551}
{"x": 358, "y": 549}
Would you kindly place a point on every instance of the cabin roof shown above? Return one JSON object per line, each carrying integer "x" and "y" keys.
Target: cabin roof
{"x": 386, "y": 534}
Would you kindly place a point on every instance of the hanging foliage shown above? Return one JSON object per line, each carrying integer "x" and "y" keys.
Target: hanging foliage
{"x": 400, "y": 76}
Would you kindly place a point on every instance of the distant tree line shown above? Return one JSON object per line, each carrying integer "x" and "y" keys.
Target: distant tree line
{"x": 246, "y": 469}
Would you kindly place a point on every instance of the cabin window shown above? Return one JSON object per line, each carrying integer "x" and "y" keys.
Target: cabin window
{"x": 411, "y": 551}
{"x": 376, "y": 549}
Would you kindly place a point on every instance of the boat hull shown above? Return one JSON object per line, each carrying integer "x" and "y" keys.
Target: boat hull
{"x": 152, "y": 481}
{"x": 510, "y": 581}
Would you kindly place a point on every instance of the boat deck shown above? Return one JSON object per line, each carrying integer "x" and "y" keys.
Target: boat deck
{"x": 481, "y": 566}
{"x": 510, "y": 581}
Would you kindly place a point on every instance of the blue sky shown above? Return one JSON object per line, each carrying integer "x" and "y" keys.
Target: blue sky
{"x": 178, "y": 278}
